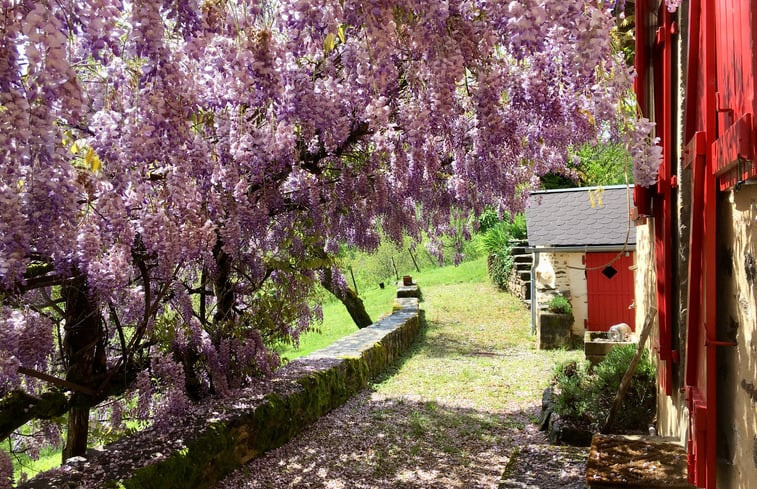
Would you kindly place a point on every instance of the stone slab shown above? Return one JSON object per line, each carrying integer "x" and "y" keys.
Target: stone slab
{"x": 404, "y": 291}
{"x": 623, "y": 461}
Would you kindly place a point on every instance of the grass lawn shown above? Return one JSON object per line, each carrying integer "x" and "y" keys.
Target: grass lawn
{"x": 378, "y": 302}
{"x": 476, "y": 350}
{"x": 460, "y": 356}
{"x": 22, "y": 464}
{"x": 449, "y": 414}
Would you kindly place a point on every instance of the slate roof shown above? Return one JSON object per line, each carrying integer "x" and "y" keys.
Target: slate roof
{"x": 588, "y": 216}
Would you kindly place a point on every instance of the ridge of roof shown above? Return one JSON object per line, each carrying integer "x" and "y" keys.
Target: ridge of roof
{"x": 581, "y": 189}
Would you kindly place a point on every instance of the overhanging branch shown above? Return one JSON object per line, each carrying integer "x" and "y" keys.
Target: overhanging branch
{"x": 56, "y": 381}
{"x": 18, "y": 408}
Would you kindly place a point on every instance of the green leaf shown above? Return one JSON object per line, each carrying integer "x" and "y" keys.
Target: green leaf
{"x": 329, "y": 43}
{"x": 93, "y": 160}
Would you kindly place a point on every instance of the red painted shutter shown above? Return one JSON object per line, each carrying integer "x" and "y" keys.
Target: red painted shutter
{"x": 707, "y": 23}
{"x": 663, "y": 201}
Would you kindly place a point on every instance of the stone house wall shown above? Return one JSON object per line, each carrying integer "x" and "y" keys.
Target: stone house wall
{"x": 737, "y": 323}
{"x": 562, "y": 274}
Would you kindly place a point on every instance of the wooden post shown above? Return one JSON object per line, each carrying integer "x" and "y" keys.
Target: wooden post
{"x": 413, "y": 258}
{"x": 354, "y": 284}
{"x": 648, "y": 322}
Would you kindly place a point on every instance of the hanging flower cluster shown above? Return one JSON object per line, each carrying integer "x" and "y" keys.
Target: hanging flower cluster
{"x": 184, "y": 162}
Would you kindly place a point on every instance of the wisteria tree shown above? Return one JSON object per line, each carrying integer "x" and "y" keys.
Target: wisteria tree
{"x": 177, "y": 174}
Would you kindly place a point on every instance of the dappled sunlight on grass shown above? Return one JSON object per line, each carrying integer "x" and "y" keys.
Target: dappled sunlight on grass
{"x": 448, "y": 415}
{"x": 476, "y": 351}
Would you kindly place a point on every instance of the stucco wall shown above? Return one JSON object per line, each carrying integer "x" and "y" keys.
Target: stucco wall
{"x": 554, "y": 275}
{"x": 672, "y": 414}
{"x": 668, "y": 415}
{"x": 737, "y": 322}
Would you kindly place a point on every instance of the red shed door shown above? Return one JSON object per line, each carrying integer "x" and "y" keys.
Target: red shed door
{"x": 609, "y": 290}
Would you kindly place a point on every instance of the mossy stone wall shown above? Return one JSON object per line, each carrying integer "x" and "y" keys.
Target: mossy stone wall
{"x": 227, "y": 435}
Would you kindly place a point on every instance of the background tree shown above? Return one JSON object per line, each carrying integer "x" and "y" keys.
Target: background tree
{"x": 593, "y": 165}
{"x": 172, "y": 172}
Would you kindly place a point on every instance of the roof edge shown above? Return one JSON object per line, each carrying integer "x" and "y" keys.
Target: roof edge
{"x": 582, "y": 189}
{"x": 583, "y": 248}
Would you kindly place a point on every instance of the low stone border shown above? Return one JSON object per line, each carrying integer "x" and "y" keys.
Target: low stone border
{"x": 218, "y": 437}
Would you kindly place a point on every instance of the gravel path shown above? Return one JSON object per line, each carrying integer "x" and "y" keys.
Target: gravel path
{"x": 457, "y": 413}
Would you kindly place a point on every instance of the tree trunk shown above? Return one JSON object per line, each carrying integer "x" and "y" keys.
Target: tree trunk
{"x": 85, "y": 356}
{"x": 78, "y": 429}
{"x": 224, "y": 289}
{"x": 349, "y": 298}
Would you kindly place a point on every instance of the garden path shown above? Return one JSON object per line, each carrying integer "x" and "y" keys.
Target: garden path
{"x": 458, "y": 412}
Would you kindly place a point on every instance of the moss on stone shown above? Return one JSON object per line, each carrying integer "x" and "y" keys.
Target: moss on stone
{"x": 223, "y": 446}
{"x": 203, "y": 462}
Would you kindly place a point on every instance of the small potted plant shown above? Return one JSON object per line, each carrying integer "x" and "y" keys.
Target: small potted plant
{"x": 560, "y": 305}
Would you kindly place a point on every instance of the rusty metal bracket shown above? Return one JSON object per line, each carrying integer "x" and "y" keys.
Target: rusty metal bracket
{"x": 740, "y": 178}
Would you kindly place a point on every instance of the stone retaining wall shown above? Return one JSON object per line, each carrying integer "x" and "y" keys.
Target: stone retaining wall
{"x": 216, "y": 438}
{"x": 519, "y": 281}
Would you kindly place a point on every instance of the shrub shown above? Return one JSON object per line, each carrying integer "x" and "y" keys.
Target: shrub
{"x": 640, "y": 403}
{"x": 487, "y": 220}
{"x": 584, "y": 396}
{"x": 500, "y": 266}
{"x": 571, "y": 384}
{"x": 518, "y": 229}
{"x": 497, "y": 244}
{"x": 559, "y": 305}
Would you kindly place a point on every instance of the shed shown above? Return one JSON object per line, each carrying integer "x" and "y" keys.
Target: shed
{"x": 583, "y": 245}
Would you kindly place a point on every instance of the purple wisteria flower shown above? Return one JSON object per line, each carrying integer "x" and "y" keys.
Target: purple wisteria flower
{"x": 169, "y": 170}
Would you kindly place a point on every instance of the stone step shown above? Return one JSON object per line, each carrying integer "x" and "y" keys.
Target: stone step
{"x": 519, "y": 250}
{"x": 647, "y": 462}
{"x": 404, "y": 291}
{"x": 524, "y": 275}
{"x": 523, "y": 258}
{"x": 522, "y": 266}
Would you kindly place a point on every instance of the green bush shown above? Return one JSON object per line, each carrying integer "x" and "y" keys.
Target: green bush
{"x": 497, "y": 243}
{"x": 559, "y": 305}
{"x": 500, "y": 266}
{"x": 487, "y": 220}
{"x": 598, "y": 165}
{"x": 640, "y": 403}
{"x": 571, "y": 385}
{"x": 518, "y": 231}
{"x": 584, "y": 396}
